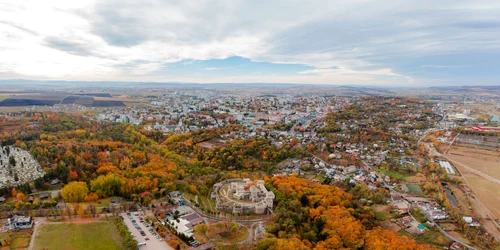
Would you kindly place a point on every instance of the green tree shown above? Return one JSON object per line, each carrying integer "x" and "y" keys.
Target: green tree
{"x": 105, "y": 186}
{"x": 201, "y": 228}
{"x": 233, "y": 226}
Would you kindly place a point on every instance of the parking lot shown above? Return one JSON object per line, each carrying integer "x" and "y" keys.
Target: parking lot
{"x": 153, "y": 243}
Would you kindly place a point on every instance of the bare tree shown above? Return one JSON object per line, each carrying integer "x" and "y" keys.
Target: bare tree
{"x": 123, "y": 205}
{"x": 113, "y": 210}
{"x": 42, "y": 211}
{"x": 68, "y": 212}
{"x": 93, "y": 210}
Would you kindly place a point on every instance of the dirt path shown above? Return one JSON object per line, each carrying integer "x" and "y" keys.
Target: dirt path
{"x": 38, "y": 223}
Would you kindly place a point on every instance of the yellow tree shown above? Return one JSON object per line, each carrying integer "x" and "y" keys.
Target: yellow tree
{"x": 201, "y": 228}
{"x": 192, "y": 189}
{"x": 20, "y": 196}
{"x": 75, "y": 191}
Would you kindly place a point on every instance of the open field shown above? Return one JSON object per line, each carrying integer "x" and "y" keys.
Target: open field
{"x": 96, "y": 94}
{"x": 82, "y": 100}
{"x": 382, "y": 212}
{"x": 18, "y": 240}
{"x": 486, "y": 161}
{"x": 417, "y": 178}
{"x": 486, "y": 191}
{"x": 401, "y": 176}
{"x": 388, "y": 225}
{"x": 414, "y": 188}
{"x": 95, "y": 235}
{"x": 117, "y": 99}
{"x": 50, "y": 99}
{"x": 430, "y": 237}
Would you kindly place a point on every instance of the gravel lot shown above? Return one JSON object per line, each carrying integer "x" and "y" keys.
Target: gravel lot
{"x": 152, "y": 243}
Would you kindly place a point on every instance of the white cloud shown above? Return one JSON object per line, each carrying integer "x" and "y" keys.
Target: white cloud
{"x": 341, "y": 71}
{"x": 344, "y": 41}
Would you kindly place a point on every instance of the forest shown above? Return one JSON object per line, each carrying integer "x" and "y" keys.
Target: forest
{"x": 316, "y": 216}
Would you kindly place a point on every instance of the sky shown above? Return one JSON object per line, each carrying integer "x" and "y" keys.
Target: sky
{"x": 358, "y": 42}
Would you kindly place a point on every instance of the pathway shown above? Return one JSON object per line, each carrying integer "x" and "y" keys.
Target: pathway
{"x": 38, "y": 223}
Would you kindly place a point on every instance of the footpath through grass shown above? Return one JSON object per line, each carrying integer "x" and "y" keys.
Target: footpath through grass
{"x": 84, "y": 236}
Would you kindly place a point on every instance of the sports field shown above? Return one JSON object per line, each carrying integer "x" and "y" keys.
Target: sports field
{"x": 76, "y": 236}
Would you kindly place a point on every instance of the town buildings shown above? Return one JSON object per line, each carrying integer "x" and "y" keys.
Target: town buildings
{"x": 20, "y": 222}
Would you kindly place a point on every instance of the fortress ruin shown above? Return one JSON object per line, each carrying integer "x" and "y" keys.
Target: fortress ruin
{"x": 242, "y": 196}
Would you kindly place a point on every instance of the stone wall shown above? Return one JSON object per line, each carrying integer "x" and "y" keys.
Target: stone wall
{"x": 258, "y": 206}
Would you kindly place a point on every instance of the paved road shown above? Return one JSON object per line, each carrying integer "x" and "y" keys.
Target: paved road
{"x": 152, "y": 243}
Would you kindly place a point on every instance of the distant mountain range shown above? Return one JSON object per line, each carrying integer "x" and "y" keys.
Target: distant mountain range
{"x": 21, "y": 85}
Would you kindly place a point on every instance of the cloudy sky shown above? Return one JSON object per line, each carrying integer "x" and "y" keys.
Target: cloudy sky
{"x": 389, "y": 42}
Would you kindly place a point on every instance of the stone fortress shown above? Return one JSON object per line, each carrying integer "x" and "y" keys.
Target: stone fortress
{"x": 17, "y": 166}
{"x": 242, "y": 196}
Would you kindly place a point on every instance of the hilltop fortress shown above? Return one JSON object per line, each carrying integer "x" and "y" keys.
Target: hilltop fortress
{"x": 239, "y": 196}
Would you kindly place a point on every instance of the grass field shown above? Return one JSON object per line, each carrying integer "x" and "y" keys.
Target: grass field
{"x": 382, "y": 212}
{"x": 120, "y": 99}
{"x": 20, "y": 243}
{"x": 96, "y": 235}
{"x": 430, "y": 237}
{"x": 414, "y": 188}
{"x": 203, "y": 201}
{"x": 18, "y": 240}
{"x": 402, "y": 176}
